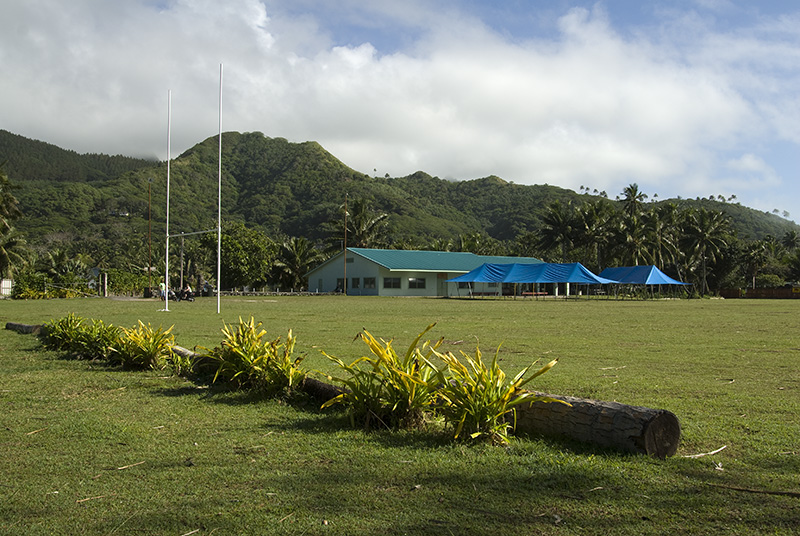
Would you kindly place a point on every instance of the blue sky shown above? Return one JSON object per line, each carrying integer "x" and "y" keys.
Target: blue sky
{"x": 686, "y": 98}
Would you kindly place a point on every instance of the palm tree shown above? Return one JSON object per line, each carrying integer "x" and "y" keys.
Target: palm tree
{"x": 756, "y": 256}
{"x": 791, "y": 240}
{"x": 594, "y": 226}
{"x": 296, "y": 257}
{"x": 365, "y": 227}
{"x": 632, "y": 241}
{"x": 13, "y": 252}
{"x": 662, "y": 230}
{"x": 705, "y": 235}
{"x": 440, "y": 244}
{"x": 9, "y": 206}
{"x": 558, "y": 231}
{"x": 633, "y": 200}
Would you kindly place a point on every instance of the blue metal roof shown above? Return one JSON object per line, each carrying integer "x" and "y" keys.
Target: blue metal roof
{"x": 433, "y": 261}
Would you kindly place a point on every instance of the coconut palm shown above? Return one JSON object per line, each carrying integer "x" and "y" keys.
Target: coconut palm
{"x": 706, "y": 234}
{"x": 366, "y": 228}
{"x": 632, "y": 245}
{"x": 13, "y": 252}
{"x": 633, "y": 200}
{"x": 594, "y": 226}
{"x": 9, "y": 206}
{"x": 662, "y": 230}
{"x": 558, "y": 231}
{"x": 296, "y": 257}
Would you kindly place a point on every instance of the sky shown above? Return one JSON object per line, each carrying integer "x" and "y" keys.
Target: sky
{"x": 684, "y": 98}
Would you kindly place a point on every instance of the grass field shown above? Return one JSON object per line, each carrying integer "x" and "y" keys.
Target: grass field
{"x": 89, "y": 449}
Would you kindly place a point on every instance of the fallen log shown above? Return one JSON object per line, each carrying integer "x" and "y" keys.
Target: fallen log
{"x": 636, "y": 429}
{"x": 319, "y": 391}
{"x": 24, "y": 328}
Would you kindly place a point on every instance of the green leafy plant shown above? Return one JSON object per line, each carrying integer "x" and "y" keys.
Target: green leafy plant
{"x": 182, "y": 364}
{"x": 63, "y": 334}
{"x": 98, "y": 340}
{"x": 74, "y": 335}
{"x": 245, "y": 357}
{"x": 143, "y": 347}
{"x": 478, "y": 398}
{"x": 392, "y": 389}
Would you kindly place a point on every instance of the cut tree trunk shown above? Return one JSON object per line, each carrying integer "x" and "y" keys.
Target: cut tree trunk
{"x": 655, "y": 432}
{"x": 24, "y": 328}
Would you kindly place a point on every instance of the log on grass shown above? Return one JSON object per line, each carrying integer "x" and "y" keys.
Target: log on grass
{"x": 636, "y": 429}
{"x": 24, "y": 328}
{"x": 319, "y": 391}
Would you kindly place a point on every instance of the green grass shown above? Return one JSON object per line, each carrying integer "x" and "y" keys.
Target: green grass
{"x": 220, "y": 462}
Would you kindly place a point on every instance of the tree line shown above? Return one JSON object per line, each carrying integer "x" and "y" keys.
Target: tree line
{"x": 693, "y": 244}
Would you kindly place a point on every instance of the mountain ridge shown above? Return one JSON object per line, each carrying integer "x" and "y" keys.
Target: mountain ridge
{"x": 281, "y": 188}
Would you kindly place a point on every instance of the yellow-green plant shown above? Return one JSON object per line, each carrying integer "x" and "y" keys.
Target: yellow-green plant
{"x": 392, "y": 389}
{"x": 63, "y": 334}
{"x": 143, "y": 347}
{"x": 98, "y": 340}
{"x": 81, "y": 340}
{"x": 477, "y": 398}
{"x": 245, "y": 357}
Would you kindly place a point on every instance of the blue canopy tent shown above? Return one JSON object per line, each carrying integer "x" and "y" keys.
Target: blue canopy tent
{"x": 532, "y": 273}
{"x": 640, "y": 275}
{"x": 647, "y": 276}
{"x": 485, "y": 273}
{"x": 547, "y": 272}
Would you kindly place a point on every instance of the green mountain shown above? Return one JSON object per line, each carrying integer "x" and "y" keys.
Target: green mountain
{"x": 279, "y": 187}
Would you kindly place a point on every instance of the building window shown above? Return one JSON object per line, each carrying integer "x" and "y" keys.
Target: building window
{"x": 391, "y": 282}
{"x": 348, "y": 260}
{"x": 339, "y": 285}
{"x": 369, "y": 282}
{"x": 463, "y": 284}
{"x": 416, "y": 282}
{"x": 355, "y": 283}
{"x": 491, "y": 285}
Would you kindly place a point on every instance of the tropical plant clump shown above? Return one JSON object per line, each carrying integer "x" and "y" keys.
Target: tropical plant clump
{"x": 143, "y": 347}
{"x": 473, "y": 398}
{"x": 478, "y": 398}
{"x": 248, "y": 359}
{"x": 386, "y": 387}
{"x": 62, "y": 334}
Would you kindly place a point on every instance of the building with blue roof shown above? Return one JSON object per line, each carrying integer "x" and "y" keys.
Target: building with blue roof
{"x": 397, "y": 272}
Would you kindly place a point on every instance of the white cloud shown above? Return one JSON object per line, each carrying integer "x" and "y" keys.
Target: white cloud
{"x": 588, "y": 104}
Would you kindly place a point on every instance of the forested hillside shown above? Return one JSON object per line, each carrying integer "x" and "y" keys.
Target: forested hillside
{"x": 97, "y": 207}
{"x": 281, "y": 188}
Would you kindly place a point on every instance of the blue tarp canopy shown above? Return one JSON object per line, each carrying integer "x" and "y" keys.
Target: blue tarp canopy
{"x": 532, "y": 273}
{"x": 485, "y": 273}
{"x": 640, "y": 275}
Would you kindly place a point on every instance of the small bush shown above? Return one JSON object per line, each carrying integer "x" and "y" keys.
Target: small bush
{"x": 247, "y": 359}
{"x": 98, "y": 340}
{"x": 477, "y": 398}
{"x": 143, "y": 347}
{"x": 63, "y": 334}
{"x": 387, "y": 388}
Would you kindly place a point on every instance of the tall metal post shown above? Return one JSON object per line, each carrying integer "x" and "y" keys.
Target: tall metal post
{"x": 219, "y": 197}
{"x": 169, "y": 157}
{"x": 344, "y": 283}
